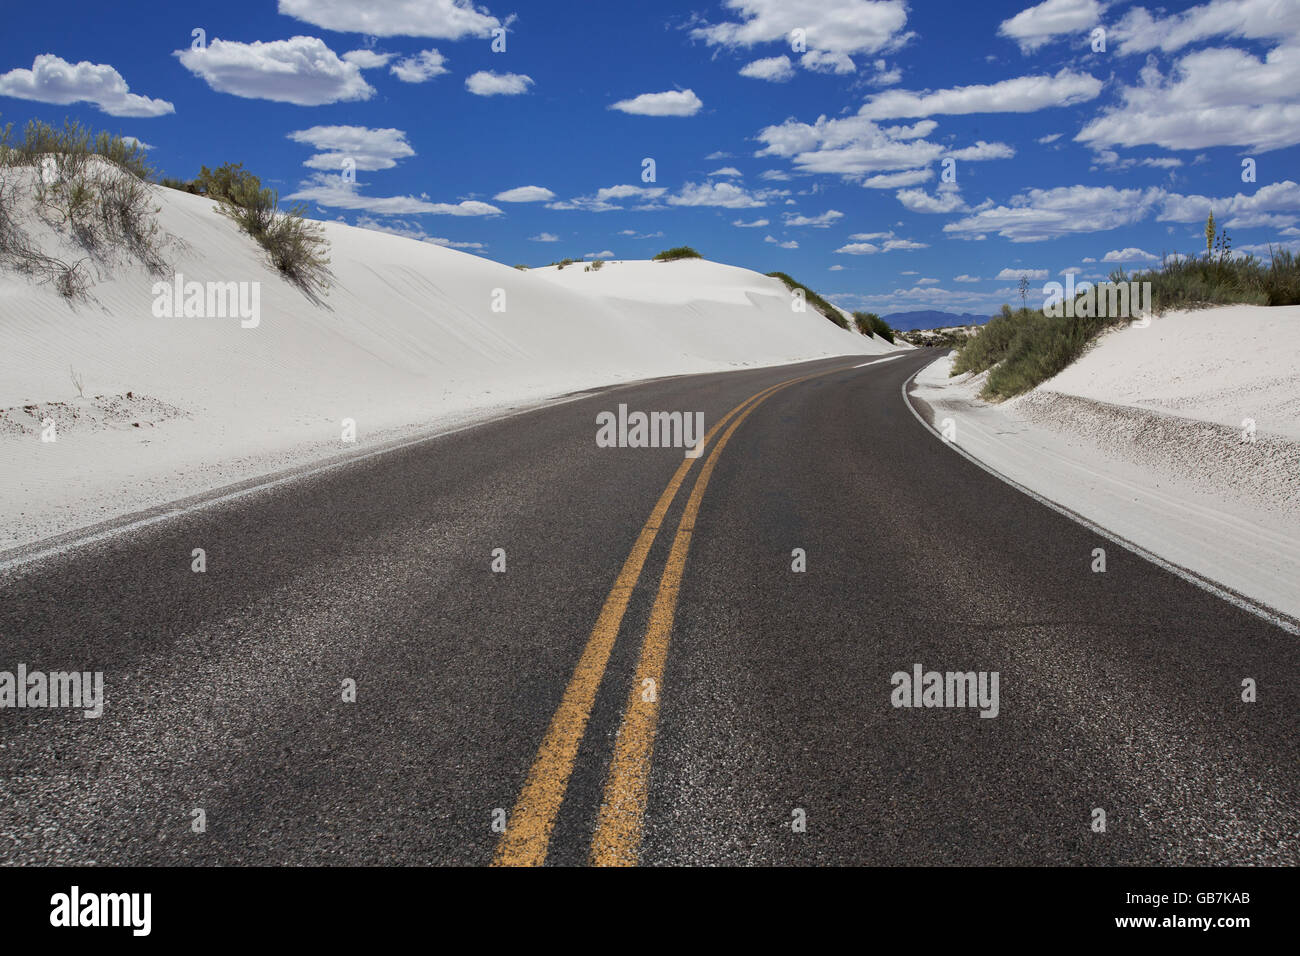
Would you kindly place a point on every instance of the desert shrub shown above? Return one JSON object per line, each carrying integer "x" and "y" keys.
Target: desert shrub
{"x": 869, "y": 323}
{"x": 522, "y": 268}
{"x": 94, "y": 185}
{"x": 180, "y": 185}
{"x": 296, "y": 247}
{"x": 597, "y": 265}
{"x": 677, "y": 252}
{"x": 813, "y": 299}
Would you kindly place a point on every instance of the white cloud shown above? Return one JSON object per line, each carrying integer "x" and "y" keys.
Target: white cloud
{"x": 525, "y": 194}
{"x": 911, "y": 177}
{"x": 367, "y": 59}
{"x": 1216, "y": 97}
{"x": 837, "y": 268}
{"x": 425, "y": 65}
{"x": 1049, "y": 138}
{"x": 330, "y": 190}
{"x": 724, "y": 195}
{"x": 946, "y": 199}
{"x": 867, "y": 244}
{"x": 965, "y": 278}
{"x": 1130, "y": 254}
{"x": 440, "y": 19}
{"x": 927, "y": 281}
{"x": 1040, "y": 214}
{"x": 54, "y": 80}
{"x": 545, "y": 237}
{"x": 820, "y": 61}
{"x": 1139, "y": 31}
{"x": 670, "y": 103}
{"x": 791, "y": 244}
{"x": 1013, "y": 274}
{"x": 368, "y": 148}
{"x": 629, "y": 192}
{"x": 843, "y": 26}
{"x": 486, "y": 83}
{"x": 982, "y": 151}
{"x": 821, "y": 221}
{"x": 607, "y": 254}
{"x": 1260, "y": 208}
{"x": 726, "y": 171}
{"x": 1039, "y": 25}
{"x": 1023, "y": 94}
{"x": 750, "y": 225}
{"x": 300, "y": 70}
{"x": 777, "y": 69}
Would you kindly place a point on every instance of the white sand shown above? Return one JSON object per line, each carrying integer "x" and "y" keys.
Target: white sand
{"x": 1143, "y": 437}
{"x": 406, "y": 342}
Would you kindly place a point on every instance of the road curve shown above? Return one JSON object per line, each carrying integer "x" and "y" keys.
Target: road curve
{"x": 519, "y": 700}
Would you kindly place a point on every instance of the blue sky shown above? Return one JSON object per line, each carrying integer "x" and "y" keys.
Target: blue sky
{"x": 820, "y": 153}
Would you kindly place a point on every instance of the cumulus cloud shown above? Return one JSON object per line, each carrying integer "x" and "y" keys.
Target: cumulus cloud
{"x": 670, "y": 103}
{"x": 1139, "y": 31}
{"x": 1271, "y": 205}
{"x": 1040, "y": 214}
{"x": 367, "y": 59}
{"x": 790, "y": 244}
{"x": 838, "y": 26}
{"x": 750, "y": 225}
{"x": 1215, "y": 97}
{"x": 821, "y": 221}
{"x": 1131, "y": 254}
{"x": 53, "y": 79}
{"x": 966, "y": 278}
{"x": 544, "y": 237}
{"x": 369, "y": 149}
{"x": 1012, "y": 274}
{"x": 776, "y": 69}
{"x": 487, "y": 83}
{"x": 726, "y": 171}
{"x": 440, "y": 19}
{"x": 821, "y": 61}
{"x": 300, "y": 70}
{"x": 724, "y": 195}
{"x": 424, "y": 66}
{"x": 332, "y": 191}
{"x": 1039, "y": 25}
{"x": 525, "y": 194}
{"x": 1023, "y": 94}
{"x": 946, "y": 199}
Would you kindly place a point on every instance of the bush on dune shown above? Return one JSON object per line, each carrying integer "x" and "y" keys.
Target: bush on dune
{"x": 94, "y": 186}
{"x": 1021, "y": 350}
{"x": 677, "y": 252}
{"x": 813, "y": 299}
{"x": 869, "y": 323}
{"x": 296, "y": 247}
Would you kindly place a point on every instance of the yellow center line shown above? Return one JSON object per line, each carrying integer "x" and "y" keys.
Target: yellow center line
{"x": 528, "y": 830}
{"x": 618, "y": 829}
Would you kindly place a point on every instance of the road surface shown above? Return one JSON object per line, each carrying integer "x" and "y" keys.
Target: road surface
{"x": 649, "y": 680}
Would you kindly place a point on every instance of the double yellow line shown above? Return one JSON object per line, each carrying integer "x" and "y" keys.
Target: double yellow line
{"x": 618, "y": 830}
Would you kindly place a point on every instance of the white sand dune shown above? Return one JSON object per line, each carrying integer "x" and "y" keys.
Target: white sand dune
{"x": 406, "y": 341}
{"x": 1144, "y": 436}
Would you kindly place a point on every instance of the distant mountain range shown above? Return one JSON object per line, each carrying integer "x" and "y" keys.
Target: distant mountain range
{"x": 930, "y": 319}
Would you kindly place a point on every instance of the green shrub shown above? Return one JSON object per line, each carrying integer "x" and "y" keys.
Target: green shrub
{"x": 677, "y": 252}
{"x": 869, "y": 323}
{"x": 813, "y": 299}
{"x": 296, "y": 247}
{"x": 597, "y": 265}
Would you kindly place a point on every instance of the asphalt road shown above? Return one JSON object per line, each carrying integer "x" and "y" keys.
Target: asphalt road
{"x": 767, "y": 736}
